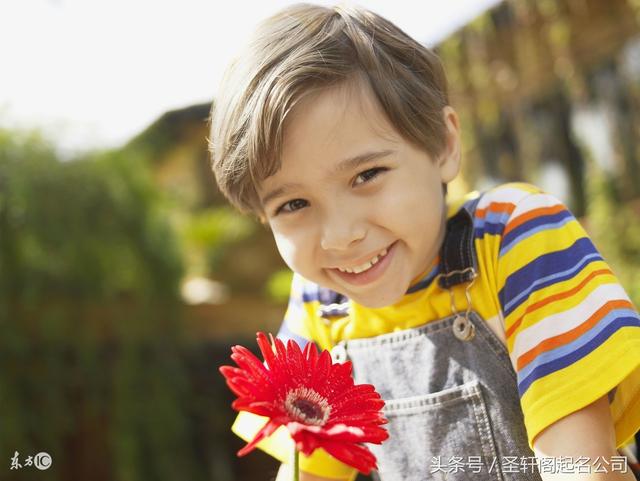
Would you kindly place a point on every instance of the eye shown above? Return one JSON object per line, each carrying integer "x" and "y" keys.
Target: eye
{"x": 369, "y": 175}
{"x": 291, "y": 206}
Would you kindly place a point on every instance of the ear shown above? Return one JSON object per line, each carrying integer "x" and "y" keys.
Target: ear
{"x": 449, "y": 161}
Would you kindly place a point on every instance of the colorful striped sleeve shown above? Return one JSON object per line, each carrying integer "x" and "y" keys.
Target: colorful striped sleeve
{"x": 298, "y": 326}
{"x": 572, "y": 332}
{"x": 295, "y": 324}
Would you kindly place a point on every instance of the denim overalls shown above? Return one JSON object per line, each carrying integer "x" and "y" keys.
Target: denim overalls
{"x": 449, "y": 386}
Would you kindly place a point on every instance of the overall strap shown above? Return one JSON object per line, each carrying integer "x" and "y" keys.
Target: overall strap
{"x": 458, "y": 263}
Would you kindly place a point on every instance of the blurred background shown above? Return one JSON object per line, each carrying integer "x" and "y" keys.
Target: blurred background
{"x": 125, "y": 278}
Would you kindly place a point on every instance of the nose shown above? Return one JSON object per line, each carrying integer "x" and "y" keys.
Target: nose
{"x": 341, "y": 230}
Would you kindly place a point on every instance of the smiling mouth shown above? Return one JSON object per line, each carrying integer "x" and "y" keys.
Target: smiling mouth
{"x": 369, "y": 271}
{"x": 366, "y": 265}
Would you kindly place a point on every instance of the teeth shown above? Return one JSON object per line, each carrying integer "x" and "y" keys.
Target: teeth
{"x": 366, "y": 266}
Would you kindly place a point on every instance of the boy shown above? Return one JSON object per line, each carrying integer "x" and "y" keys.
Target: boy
{"x": 493, "y": 329}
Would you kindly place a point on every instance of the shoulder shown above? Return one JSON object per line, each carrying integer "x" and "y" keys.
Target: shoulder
{"x": 511, "y": 209}
{"x": 503, "y": 198}
{"x": 493, "y": 209}
{"x": 507, "y": 197}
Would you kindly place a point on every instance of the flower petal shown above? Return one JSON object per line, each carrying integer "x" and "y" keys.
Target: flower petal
{"x": 275, "y": 356}
{"x": 310, "y": 353}
{"x": 245, "y": 359}
{"x": 261, "y": 408}
{"x": 296, "y": 363}
{"x": 360, "y": 418}
{"x": 320, "y": 374}
{"x": 306, "y": 440}
{"x": 339, "y": 379}
{"x": 266, "y": 349}
{"x": 281, "y": 353}
{"x": 363, "y": 434}
{"x": 354, "y": 455}
{"x": 242, "y": 386}
{"x": 342, "y": 432}
{"x": 359, "y": 392}
{"x": 267, "y": 430}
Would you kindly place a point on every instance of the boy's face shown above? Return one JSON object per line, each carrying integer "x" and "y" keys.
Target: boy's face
{"x": 355, "y": 207}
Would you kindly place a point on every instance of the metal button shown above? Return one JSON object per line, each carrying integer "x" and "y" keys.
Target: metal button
{"x": 463, "y": 329}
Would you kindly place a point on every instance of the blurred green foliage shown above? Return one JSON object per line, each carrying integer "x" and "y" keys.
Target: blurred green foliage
{"x": 615, "y": 228}
{"x": 92, "y": 369}
{"x": 208, "y": 233}
{"x": 279, "y": 285}
{"x": 93, "y": 229}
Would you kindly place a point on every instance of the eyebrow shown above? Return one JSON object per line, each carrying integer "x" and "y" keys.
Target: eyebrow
{"x": 353, "y": 162}
{"x": 279, "y": 192}
{"x": 345, "y": 165}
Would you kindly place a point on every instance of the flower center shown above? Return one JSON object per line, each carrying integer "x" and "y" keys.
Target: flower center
{"x": 307, "y": 406}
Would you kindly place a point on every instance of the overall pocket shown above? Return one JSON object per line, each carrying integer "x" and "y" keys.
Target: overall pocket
{"x": 441, "y": 436}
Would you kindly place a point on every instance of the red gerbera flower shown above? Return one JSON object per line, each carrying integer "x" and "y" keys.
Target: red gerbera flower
{"x": 314, "y": 398}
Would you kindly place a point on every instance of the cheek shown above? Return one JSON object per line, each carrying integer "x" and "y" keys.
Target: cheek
{"x": 415, "y": 213}
{"x": 404, "y": 208}
{"x": 286, "y": 248}
{"x": 292, "y": 251}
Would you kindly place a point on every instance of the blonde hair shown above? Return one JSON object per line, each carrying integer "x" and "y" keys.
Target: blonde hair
{"x": 306, "y": 47}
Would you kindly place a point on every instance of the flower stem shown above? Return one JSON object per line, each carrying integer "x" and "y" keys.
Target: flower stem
{"x": 295, "y": 465}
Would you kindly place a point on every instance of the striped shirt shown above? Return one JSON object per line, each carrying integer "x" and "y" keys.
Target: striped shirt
{"x": 570, "y": 329}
